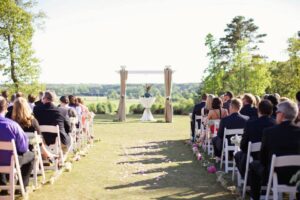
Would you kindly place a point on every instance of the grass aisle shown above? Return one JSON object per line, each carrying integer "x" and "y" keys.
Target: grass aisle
{"x": 137, "y": 160}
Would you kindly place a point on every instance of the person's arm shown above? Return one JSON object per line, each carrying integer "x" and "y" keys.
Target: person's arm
{"x": 21, "y": 138}
{"x": 36, "y": 126}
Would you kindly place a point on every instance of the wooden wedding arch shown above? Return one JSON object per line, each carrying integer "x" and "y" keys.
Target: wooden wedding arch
{"x": 168, "y": 88}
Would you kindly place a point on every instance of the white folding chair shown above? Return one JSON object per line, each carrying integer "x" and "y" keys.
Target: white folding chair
{"x": 252, "y": 148}
{"x": 228, "y": 148}
{"x": 13, "y": 170}
{"x": 38, "y": 164}
{"x": 55, "y": 148}
{"x": 197, "y": 125}
{"x": 281, "y": 161}
{"x": 209, "y": 134}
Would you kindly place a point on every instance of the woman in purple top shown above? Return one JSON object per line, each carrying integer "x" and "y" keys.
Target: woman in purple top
{"x": 11, "y": 130}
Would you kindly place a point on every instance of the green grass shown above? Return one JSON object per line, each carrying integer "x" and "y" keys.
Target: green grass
{"x": 136, "y": 160}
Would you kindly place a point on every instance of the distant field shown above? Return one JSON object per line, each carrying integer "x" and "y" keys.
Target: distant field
{"x": 93, "y": 99}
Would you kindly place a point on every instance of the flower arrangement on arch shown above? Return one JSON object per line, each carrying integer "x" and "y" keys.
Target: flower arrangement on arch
{"x": 147, "y": 88}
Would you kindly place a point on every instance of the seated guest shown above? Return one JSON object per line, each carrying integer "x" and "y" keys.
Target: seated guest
{"x": 197, "y": 111}
{"x": 22, "y": 115}
{"x": 234, "y": 121}
{"x": 274, "y": 101}
{"x": 11, "y": 130}
{"x": 253, "y": 133}
{"x": 73, "y": 103}
{"x": 257, "y": 100}
{"x": 85, "y": 113}
{"x": 217, "y": 112}
{"x": 5, "y": 94}
{"x": 282, "y": 139}
{"x": 10, "y": 106}
{"x": 208, "y": 105}
{"x": 31, "y": 100}
{"x": 227, "y": 100}
{"x": 49, "y": 114}
{"x": 39, "y": 102}
{"x": 64, "y": 105}
{"x": 248, "y": 108}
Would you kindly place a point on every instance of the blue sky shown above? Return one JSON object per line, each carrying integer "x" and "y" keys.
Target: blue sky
{"x": 86, "y": 41}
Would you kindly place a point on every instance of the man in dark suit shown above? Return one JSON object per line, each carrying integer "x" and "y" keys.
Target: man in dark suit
{"x": 227, "y": 100}
{"x": 234, "y": 121}
{"x": 197, "y": 111}
{"x": 248, "y": 107}
{"x": 282, "y": 139}
{"x": 49, "y": 114}
{"x": 39, "y": 102}
{"x": 253, "y": 133}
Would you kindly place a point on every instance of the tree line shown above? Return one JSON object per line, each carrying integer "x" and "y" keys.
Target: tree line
{"x": 133, "y": 91}
{"x": 236, "y": 64}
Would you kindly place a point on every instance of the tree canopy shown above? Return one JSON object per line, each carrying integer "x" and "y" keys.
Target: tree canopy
{"x": 19, "y": 65}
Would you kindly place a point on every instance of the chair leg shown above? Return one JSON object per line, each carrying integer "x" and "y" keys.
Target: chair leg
{"x": 245, "y": 185}
{"x": 41, "y": 165}
{"x": 222, "y": 155}
{"x": 12, "y": 186}
{"x": 292, "y": 196}
{"x": 21, "y": 181}
{"x": 226, "y": 161}
{"x": 35, "y": 170}
{"x": 233, "y": 170}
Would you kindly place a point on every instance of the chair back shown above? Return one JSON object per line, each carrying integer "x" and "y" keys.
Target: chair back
{"x": 281, "y": 161}
{"x": 231, "y": 132}
{"x": 49, "y": 129}
{"x": 13, "y": 169}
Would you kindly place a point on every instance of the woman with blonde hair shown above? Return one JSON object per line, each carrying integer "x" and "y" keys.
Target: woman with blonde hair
{"x": 204, "y": 113}
{"x": 208, "y": 105}
{"x": 22, "y": 115}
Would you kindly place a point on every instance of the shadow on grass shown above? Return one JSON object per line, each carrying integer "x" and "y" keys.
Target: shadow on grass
{"x": 181, "y": 173}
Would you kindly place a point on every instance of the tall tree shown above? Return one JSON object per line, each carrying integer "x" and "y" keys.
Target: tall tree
{"x": 213, "y": 81}
{"x": 240, "y": 28}
{"x": 286, "y": 75}
{"x": 21, "y": 68}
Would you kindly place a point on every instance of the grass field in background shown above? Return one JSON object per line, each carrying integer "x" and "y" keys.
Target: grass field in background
{"x": 93, "y": 99}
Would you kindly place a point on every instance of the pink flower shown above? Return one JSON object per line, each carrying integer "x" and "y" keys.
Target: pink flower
{"x": 195, "y": 149}
{"x": 199, "y": 156}
{"x": 211, "y": 169}
{"x": 195, "y": 145}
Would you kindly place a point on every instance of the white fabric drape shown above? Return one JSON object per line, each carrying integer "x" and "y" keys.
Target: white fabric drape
{"x": 122, "y": 106}
{"x": 168, "y": 88}
{"x": 147, "y": 103}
